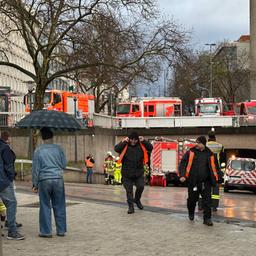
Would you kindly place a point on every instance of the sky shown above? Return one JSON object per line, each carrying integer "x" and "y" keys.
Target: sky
{"x": 210, "y": 21}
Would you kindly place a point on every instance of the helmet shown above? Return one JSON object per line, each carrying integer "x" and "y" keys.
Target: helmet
{"x": 223, "y": 165}
{"x": 109, "y": 153}
{"x": 117, "y": 158}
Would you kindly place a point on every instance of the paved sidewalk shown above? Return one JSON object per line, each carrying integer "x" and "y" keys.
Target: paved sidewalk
{"x": 100, "y": 229}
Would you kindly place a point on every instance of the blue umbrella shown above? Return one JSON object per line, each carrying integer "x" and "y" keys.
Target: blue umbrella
{"x": 51, "y": 119}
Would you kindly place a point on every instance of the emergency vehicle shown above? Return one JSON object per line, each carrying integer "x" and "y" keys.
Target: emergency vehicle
{"x": 240, "y": 174}
{"x": 150, "y": 107}
{"x": 165, "y": 159}
{"x": 247, "y": 109}
{"x": 208, "y": 107}
{"x": 65, "y": 101}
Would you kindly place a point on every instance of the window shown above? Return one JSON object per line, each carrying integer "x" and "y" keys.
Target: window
{"x": 56, "y": 98}
{"x": 135, "y": 108}
{"x": 151, "y": 108}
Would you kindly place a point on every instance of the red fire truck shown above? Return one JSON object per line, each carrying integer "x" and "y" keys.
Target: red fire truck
{"x": 165, "y": 159}
{"x": 66, "y": 102}
{"x": 247, "y": 109}
{"x": 150, "y": 107}
{"x": 208, "y": 107}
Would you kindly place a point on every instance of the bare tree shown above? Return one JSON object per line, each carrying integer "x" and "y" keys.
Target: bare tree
{"x": 48, "y": 26}
{"x": 136, "y": 47}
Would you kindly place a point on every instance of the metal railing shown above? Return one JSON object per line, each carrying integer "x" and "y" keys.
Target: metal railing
{"x": 9, "y": 119}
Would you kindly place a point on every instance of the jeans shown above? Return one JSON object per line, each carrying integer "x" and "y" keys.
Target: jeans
{"x": 9, "y": 199}
{"x": 128, "y": 185}
{"x": 52, "y": 195}
{"x": 89, "y": 175}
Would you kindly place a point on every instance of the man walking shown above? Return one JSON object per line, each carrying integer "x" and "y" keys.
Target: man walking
{"x": 133, "y": 152}
{"x": 89, "y": 162}
{"x": 217, "y": 149}
{"x": 198, "y": 167}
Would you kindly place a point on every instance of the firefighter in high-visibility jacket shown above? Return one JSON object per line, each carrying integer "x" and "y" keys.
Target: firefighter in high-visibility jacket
{"x": 109, "y": 168}
{"x": 217, "y": 149}
{"x": 199, "y": 167}
{"x": 117, "y": 172}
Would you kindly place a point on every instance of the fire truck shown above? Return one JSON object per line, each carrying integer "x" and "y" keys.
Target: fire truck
{"x": 65, "y": 101}
{"x": 165, "y": 159}
{"x": 208, "y": 107}
{"x": 246, "y": 109}
{"x": 150, "y": 107}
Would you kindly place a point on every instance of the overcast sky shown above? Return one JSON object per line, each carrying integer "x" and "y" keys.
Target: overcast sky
{"x": 211, "y": 21}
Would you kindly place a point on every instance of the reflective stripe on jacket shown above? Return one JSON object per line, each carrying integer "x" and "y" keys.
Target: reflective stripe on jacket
{"x": 145, "y": 154}
{"x": 190, "y": 162}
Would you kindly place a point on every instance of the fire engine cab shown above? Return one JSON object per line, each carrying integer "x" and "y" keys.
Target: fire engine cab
{"x": 240, "y": 174}
{"x": 208, "y": 107}
{"x": 165, "y": 159}
{"x": 248, "y": 110}
{"x": 150, "y": 107}
{"x": 65, "y": 101}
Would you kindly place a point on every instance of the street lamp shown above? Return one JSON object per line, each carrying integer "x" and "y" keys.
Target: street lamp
{"x": 211, "y": 45}
{"x": 75, "y": 114}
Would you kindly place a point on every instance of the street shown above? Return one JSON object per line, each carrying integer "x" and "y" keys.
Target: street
{"x": 234, "y": 206}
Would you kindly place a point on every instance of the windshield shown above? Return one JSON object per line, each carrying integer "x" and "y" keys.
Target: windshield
{"x": 240, "y": 165}
{"x": 252, "y": 110}
{"x": 208, "y": 108}
{"x": 123, "y": 109}
{"x": 47, "y": 98}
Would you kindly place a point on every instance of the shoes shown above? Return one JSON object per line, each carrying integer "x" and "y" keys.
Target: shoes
{"x": 45, "y": 235}
{"x": 191, "y": 216}
{"x": 131, "y": 209}
{"x": 208, "y": 222}
{"x": 18, "y": 225}
{"x": 139, "y": 204}
{"x": 15, "y": 236}
{"x": 60, "y": 234}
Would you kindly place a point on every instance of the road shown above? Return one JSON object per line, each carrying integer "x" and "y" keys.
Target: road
{"x": 234, "y": 206}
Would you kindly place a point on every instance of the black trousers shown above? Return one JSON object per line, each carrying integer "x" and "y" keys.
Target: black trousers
{"x": 205, "y": 191}
{"x": 128, "y": 185}
{"x": 215, "y": 196}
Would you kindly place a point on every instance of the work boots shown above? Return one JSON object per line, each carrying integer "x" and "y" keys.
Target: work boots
{"x": 191, "y": 216}
{"x": 139, "y": 204}
{"x": 130, "y": 209}
{"x": 208, "y": 222}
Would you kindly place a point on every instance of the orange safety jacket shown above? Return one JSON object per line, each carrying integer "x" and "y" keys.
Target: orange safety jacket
{"x": 190, "y": 162}
{"x": 145, "y": 153}
{"x": 88, "y": 163}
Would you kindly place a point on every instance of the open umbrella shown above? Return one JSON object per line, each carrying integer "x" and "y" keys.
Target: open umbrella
{"x": 51, "y": 119}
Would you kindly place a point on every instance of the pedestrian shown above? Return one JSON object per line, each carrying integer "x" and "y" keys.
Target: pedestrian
{"x": 89, "y": 162}
{"x": 218, "y": 150}
{"x": 199, "y": 167}
{"x": 133, "y": 152}
{"x": 7, "y": 193}
{"x": 5, "y": 136}
{"x": 49, "y": 161}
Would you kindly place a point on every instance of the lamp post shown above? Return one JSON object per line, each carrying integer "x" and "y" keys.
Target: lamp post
{"x": 75, "y": 114}
{"x": 211, "y": 88}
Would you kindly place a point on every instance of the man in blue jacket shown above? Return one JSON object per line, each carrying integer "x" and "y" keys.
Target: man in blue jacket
{"x": 49, "y": 162}
{"x": 7, "y": 174}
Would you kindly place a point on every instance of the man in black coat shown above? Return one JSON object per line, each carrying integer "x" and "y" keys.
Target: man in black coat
{"x": 133, "y": 152}
{"x": 200, "y": 168}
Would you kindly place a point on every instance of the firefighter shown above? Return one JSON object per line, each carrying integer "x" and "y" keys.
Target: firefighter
{"x": 117, "y": 172}
{"x": 109, "y": 168}
{"x": 198, "y": 167}
{"x": 217, "y": 149}
{"x": 133, "y": 152}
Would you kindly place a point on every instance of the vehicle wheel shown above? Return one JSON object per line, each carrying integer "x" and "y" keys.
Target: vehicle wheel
{"x": 226, "y": 190}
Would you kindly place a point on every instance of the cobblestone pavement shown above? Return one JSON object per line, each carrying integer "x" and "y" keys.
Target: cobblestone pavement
{"x": 99, "y": 229}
